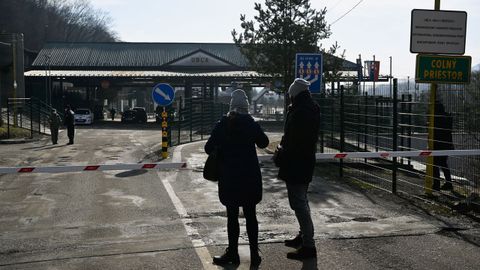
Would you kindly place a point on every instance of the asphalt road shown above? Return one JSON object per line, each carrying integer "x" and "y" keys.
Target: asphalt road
{"x": 173, "y": 219}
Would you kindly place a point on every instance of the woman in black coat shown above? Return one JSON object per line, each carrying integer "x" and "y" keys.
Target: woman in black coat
{"x": 240, "y": 182}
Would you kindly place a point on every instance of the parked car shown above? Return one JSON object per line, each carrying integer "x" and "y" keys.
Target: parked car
{"x": 140, "y": 114}
{"x": 83, "y": 116}
{"x": 129, "y": 116}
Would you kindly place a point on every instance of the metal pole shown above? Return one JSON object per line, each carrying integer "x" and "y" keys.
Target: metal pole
{"x": 190, "y": 119}
{"x": 14, "y": 66}
{"x": 376, "y": 123}
{"x": 179, "y": 121}
{"x": 201, "y": 117}
{"x": 8, "y": 118}
{"x": 409, "y": 141}
{"x": 342, "y": 128}
{"x": 431, "y": 109}
{"x": 46, "y": 79}
{"x": 390, "y": 76}
{"x": 39, "y": 118}
{"x": 164, "y": 133}
{"x": 395, "y": 135}
{"x": 360, "y": 77}
{"x": 374, "y": 72}
{"x": 31, "y": 118}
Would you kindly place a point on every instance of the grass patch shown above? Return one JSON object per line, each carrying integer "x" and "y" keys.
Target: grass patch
{"x": 15, "y": 132}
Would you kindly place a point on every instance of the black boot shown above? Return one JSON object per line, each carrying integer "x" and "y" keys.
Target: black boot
{"x": 255, "y": 259}
{"x": 229, "y": 257}
{"x": 303, "y": 253}
{"x": 295, "y": 242}
{"x": 436, "y": 185}
{"x": 447, "y": 186}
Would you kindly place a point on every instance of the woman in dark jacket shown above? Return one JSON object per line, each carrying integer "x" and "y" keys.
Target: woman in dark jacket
{"x": 240, "y": 182}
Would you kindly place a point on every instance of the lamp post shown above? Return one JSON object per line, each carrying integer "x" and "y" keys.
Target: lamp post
{"x": 48, "y": 96}
{"x": 14, "y": 68}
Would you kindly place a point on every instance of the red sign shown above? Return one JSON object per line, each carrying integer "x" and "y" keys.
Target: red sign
{"x": 373, "y": 69}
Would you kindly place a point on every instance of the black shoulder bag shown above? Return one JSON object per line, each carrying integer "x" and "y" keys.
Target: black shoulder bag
{"x": 212, "y": 167}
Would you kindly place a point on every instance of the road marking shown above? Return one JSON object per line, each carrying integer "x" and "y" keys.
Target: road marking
{"x": 195, "y": 238}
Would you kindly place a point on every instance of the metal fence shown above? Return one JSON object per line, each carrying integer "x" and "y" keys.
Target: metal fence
{"x": 399, "y": 122}
{"x": 193, "y": 119}
{"x": 28, "y": 113}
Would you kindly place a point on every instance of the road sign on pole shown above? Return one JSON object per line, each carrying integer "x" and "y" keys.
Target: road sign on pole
{"x": 309, "y": 66}
{"x": 442, "y": 69}
{"x": 163, "y": 94}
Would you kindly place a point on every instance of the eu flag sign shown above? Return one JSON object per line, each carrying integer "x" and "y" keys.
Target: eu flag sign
{"x": 309, "y": 66}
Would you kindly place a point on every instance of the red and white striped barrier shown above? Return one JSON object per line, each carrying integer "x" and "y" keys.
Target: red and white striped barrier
{"x": 91, "y": 168}
{"x": 182, "y": 165}
{"x": 387, "y": 154}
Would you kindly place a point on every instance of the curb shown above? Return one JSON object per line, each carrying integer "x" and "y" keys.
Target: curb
{"x": 18, "y": 141}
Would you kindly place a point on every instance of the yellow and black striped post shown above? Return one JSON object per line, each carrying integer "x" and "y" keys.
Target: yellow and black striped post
{"x": 164, "y": 134}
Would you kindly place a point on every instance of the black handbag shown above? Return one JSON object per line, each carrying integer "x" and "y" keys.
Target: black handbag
{"x": 211, "y": 169}
{"x": 278, "y": 155}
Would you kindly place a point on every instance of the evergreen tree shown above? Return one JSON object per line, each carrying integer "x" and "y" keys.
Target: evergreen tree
{"x": 282, "y": 29}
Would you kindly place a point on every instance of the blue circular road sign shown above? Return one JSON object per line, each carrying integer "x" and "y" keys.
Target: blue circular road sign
{"x": 163, "y": 94}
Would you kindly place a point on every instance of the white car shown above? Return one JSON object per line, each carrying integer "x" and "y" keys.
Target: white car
{"x": 83, "y": 116}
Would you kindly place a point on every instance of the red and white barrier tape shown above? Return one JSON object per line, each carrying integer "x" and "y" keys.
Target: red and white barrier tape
{"x": 387, "y": 154}
{"x": 89, "y": 168}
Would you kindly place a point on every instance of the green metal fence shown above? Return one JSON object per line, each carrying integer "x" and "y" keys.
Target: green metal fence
{"x": 398, "y": 121}
{"x": 193, "y": 119}
{"x": 28, "y": 113}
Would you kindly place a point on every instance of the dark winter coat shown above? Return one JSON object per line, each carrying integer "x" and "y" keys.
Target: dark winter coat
{"x": 69, "y": 120}
{"x": 299, "y": 140}
{"x": 240, "y": 182}
{"x": 443, "y": 131}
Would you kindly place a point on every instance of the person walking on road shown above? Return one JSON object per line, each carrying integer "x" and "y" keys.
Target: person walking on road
{"x": 54, "y": 121}
{"x": 112, "y": 113}
{"x": 296, "y": 162}
{"x": 442, "y": 141}
{"x": 240, "y": 181}
{"x": 69, "y": 122}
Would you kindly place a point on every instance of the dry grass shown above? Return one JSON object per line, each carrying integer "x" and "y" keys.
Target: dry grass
{"x": 15, "y": 132}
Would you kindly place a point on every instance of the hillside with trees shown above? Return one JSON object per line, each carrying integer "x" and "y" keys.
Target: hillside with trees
{"x": 43, "y": 21}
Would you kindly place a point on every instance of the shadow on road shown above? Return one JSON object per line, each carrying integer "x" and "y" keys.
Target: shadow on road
{"x": 44, "y": 147}
{"x": 131, "y": 173}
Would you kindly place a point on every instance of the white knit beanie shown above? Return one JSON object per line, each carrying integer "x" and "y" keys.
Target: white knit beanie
{"x": 239, "y": 101}
{"x": 298, "y": 86}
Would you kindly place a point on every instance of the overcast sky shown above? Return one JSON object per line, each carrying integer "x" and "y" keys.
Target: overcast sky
{"x": 374, "y": 27}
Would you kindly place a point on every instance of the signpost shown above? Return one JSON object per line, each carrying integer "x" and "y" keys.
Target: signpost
{"x": 443, "y": 69}
{"x": 309, "y": 66}
{"x": 438, "y": 32}
{"x": 163, "y": 95}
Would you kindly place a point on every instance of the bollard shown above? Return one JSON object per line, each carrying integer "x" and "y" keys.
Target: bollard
{"x": 164, "y": 134}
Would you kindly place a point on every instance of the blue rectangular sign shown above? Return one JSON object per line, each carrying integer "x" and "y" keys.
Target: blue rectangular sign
{"x": 309, "y": 66}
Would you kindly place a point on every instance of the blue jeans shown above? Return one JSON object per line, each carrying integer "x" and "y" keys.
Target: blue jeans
{"x": 297, "y": 197}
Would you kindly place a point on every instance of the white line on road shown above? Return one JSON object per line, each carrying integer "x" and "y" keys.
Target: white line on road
{"x": 195, "y": 238}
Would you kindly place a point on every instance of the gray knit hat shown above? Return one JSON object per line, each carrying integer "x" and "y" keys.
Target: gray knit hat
{"x": 298, "y": 86}
{"x": 239, "y": 102}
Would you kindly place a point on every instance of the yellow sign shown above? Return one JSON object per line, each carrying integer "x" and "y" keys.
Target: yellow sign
{"x": 164, "y": 114}
{"x": 164, "y": 124}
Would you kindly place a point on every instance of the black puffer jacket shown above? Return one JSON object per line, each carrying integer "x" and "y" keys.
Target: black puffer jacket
{"x": 299, "y": 140}
{"x": 240, "y": 182}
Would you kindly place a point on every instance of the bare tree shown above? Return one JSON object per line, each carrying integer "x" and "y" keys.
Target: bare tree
{"x": 55, "y": 20}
